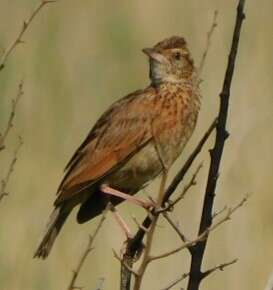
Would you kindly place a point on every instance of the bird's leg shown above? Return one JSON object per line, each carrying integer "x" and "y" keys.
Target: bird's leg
{"x": 125, "y": 228}
{"x": 147, "y": 204}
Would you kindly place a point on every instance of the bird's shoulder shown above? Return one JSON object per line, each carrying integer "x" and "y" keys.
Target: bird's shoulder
{"x": 124, "y": 108}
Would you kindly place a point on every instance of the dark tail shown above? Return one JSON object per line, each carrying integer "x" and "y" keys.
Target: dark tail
{"x": 55, "y": 223}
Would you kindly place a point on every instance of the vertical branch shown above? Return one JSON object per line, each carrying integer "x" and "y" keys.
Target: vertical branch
{"x": 196, "y": 274}
{"x": 150, "y": 235}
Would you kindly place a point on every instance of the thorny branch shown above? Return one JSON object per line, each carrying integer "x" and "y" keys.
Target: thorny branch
{"x": 24, "y": 28}
{"x": 220, "y": 267}
{"x": 15, "y": 101}
{"x": 202, "y": 236}
{"x": 5, "y": 181}
{"x": 135, "y": 244}
{"x": 86, "y": 252}
{"x": 196, "y": 275}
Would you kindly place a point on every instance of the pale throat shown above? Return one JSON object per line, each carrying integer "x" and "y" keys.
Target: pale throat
{"x": 159, "y": 74}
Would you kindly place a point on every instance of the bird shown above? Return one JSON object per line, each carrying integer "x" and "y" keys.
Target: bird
{"x": 134, "y": 141}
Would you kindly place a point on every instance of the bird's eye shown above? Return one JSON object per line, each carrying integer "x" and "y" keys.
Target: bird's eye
{"x": 177, "y": 55}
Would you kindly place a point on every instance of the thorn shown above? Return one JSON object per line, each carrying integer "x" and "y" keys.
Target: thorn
{"x": 226, "y": 134}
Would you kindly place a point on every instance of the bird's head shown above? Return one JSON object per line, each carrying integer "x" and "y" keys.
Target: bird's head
{"x": 170, "y": 61}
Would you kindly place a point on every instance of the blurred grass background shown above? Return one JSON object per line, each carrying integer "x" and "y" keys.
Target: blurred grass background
{"x": 78, "y": 58}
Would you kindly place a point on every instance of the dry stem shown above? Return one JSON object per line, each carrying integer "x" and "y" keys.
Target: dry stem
{"x": 150, "y": 235}
{"x": 24, "y": 28}
{"x": 209, "y": 36}
{"x": 5, "y": 181}
{"x": 15, "y": 101}
{"x": 85, "y": 253}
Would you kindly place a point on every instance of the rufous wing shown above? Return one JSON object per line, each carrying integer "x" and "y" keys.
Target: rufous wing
{"x": 121, "y": 132}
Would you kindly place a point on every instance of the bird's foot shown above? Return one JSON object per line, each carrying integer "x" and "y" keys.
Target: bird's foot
{"x": 146, "y": 204}
{"x": 125, "y": 228}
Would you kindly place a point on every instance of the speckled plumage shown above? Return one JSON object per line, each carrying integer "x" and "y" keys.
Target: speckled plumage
{"x": 133, "y": 140}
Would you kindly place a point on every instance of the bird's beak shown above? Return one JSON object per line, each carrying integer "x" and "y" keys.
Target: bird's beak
{"x": 155, "y": 55}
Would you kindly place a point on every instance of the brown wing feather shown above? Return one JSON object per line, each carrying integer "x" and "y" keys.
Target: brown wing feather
{"x": 121, "y": 131}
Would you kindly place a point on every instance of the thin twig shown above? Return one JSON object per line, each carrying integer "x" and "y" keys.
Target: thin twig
{"x": 209, "y": 36}
{"x": 195, "y": 277}
{"x": 85, "y": 253}
{"x": 186, "y": 188}
{"x": 203, "y": 235}
{"x": 175, "y": 227}
{"x": 5, "y": 181}
{"x": 220, "y": 267}
{"x": 24, "y": 28}
{"x": 9, "y": 125}
{"x": 218, "y": 212}
{"x": 176, "y": 281}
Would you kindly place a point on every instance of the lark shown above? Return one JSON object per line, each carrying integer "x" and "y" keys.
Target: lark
{"x": 135, "y": 140}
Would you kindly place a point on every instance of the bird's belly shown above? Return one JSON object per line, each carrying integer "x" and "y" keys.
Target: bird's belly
{"x": 137, "y": 172}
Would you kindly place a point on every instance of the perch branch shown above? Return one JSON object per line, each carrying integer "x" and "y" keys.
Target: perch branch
{"x": 135, "y": 245}
{"x": 196, "y": 277}
{"x": 24, "y": 28}
{"x": 150, "y": 236}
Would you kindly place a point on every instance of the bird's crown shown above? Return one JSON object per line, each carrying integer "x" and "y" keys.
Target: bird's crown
{"x": 171, "y": 42}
